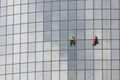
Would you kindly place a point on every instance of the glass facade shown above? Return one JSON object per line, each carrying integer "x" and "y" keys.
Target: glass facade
{"x": 34, "y": 39}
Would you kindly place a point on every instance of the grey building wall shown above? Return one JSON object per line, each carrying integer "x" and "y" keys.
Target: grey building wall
{"x": 34, "y": 39}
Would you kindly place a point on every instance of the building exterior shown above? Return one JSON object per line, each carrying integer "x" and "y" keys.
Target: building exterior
{"x": 34, "y": 39}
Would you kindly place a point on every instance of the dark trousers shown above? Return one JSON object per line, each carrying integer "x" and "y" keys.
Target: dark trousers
{"x": 72, "y": 43}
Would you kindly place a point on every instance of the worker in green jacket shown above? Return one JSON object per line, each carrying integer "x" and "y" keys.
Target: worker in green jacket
{"x": 72, "y": 41}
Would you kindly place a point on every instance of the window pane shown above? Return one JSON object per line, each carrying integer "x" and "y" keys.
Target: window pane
{"x": 47, "y": 6}
{"x": 47, "y": 56}
{"x": 98, "y": 75}
{"x": 80, "y": 75}
{"x": 55, "y": 35}
{"x": 97, "y": 3}
{"x": 89, "y": 4}
{"x": 89, "y": 75}
{"x": 47, "y": 36}
{"x": 55, "y": 5}
{"x": 115, "y": 4}
{"x": 39, "y": 6}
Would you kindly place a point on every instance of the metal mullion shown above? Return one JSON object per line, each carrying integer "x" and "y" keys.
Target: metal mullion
{"x": 110, "y": 41}
{"x": 119, "y": 38}
{"x": 93, "y": 46}
{"x": 76, "y": 39}
{"x": 59, "y": 41}
{"x": 35, "y": 40}
{"x": 51, "y": 71}
{"x": 43, "y": 42}
{"x": 20, "y": 44}
{"x": 85, "y": 39}
{"x": 102, "y": 35}
{"x": 13, "y": 47}
{"x": 27, "y": 35}
{"x": 68, "y": 40}
{"x": 6, "y": 46}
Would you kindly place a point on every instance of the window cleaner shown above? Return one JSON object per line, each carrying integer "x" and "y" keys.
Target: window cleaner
{"x": 95, "y": 41}
{"x": 72, "y": 41}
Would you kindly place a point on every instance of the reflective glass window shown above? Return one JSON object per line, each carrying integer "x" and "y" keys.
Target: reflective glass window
{"x": 16, "y": 19}
{"x": 39, "y": 46}
{"x": 72, "y": 4}
{"x": 39, "y": 36}
{"x": 47, "y": 26}
{"x": 24, "y": 1}
{"x": 39, "y": 17}
{"x": 80, "y": 64}
{"x": 63, "y": 55}
{"x": 80, "y": 54}
{"x": 3, "y": 11}
{"x": 55, "y": 35}
{"x": 47, "y": 56}
{"x": 63, "y": 15}
{"x": 16, "y": 1}
{"x": 89, "y": 4}
{"x": 39, "y": 26}
{"x": 63, "y": 25}
{"x": 3, "y": 2}
{"x": 24, "y": 18}
{"x": 16, "y": 9}
{"x": 47, "y": 66}
{"x": 55, "y": 45}
{"x": 47, "y": 45}
{"x": 55, "y": 25}
{"x": 89, "y": 75}
{"x": 63, "y": 35}
{"x": 115, "y": 14}
{"x": 64, "y": 5}
{"x": 24, "y": 8}
{"x": 48, "y": 74}
{"x": 47, "y": 16}
{"x": 24, "y": 47}
{"x": 89, "y": 65}
{"x": 47, "y": 6}
{"x": 115, "y": 4}
{"x": 39, "y": 6}
{"x": 31, "y": 37}
{"x": 55, "y": 65}
{"x": 32, "y": 7}
{"x": 72, "y": 25}
{"x": 55, "y": 15}
{"x": 10, "y": 2}
{"x": 89, "y": 14}
{"x": 80, "y": 14}
{"x": 32, "y": 17}
{"x": 80, "y": 24}
{"x": 80, "y": 75}
{"x": 32, "y": 27}
{"x": 55, "y": 5}
{"x": 47, "y": 36}
{"x": 16, "y": 28}
{"x": 31, "y": 47}
{"x": 63, "y": 65}
{"x": 97, "y": 4}
{"x": 80, "y": 4}
{"x": 72, "y": 65}
{"x": 55, "y": 55}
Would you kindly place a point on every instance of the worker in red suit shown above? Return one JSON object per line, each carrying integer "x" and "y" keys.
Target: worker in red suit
{"x": 95, "y": 41}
